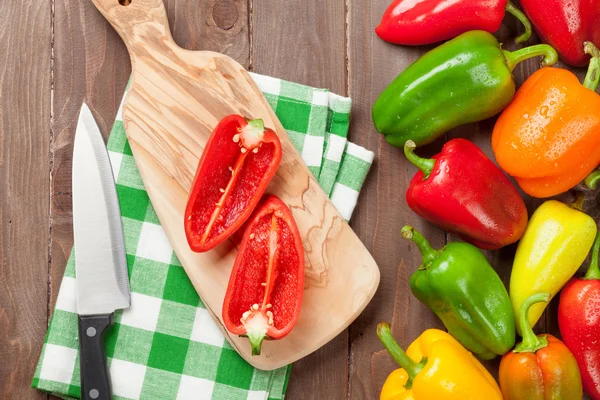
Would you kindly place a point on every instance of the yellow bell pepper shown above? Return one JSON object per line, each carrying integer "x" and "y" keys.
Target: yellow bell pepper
{"x": 435, "y": 366}
{"x": 556, "y": 242}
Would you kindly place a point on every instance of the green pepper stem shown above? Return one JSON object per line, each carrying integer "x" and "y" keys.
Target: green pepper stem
{"x": 592, "y": 78}
{"x": 428, "y": 253}
{"x": 424, "y": 164}
{"x": 515, "y": 57}
{"x": 412, "y": 368}
{"x": 592, "y": 180}
{"x": 593, "y": 271}
{"x": 257, "y": 124}
{"x": 518, "y": 14}
{"x": 577, "y": 204}
{"x": 531, "y": 343}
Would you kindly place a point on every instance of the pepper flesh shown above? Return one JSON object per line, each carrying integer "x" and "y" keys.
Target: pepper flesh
{"x": 539, "y": 368}
{"x": 555, "y": 244}
{"x": 435, "y": 366}
{"x": 466, "y": 79}
{"x": 410, "y": 22}
{"x": 548, "y": 138}
{"x": 579, "y": 323}
{"x": 237, "y": 164}
{"x": 266, "y": 285}
{"x": 462, "y": 191}
{"x": 463, "y": 290}
{"x": 565, "y": 25}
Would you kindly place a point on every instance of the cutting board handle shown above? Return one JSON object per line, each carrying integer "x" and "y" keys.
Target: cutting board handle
{"x": 137, "y": 22}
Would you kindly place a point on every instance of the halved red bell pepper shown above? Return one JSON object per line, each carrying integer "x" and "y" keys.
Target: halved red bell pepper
{"x": 418, "y": 22}
{"x": 266, "y": 285}
{"x": 236, "y": 166}
{"x": 462, "y": 191}
{"x": 579, "y": 322}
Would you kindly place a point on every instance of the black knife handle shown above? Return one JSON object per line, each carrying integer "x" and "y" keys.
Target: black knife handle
{"x": 95, "y": 383}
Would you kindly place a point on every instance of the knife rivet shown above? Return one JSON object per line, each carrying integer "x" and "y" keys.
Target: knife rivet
{"x": 91, "y": 332}
{"x": 94, "y": 393}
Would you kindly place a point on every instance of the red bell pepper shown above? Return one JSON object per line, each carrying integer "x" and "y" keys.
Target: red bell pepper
{"x": 462, "y": 191}
{"x": 565, "y": 25}
{"x": 236, "y": 166}
{"x": 266, "y": 285}
{"x": 418, "y": 22}
{"x": 579, "y": 323}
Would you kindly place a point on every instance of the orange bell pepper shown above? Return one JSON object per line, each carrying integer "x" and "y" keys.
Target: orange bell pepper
{"x": 541, "y": 367}
{"x": 548, "y": 138}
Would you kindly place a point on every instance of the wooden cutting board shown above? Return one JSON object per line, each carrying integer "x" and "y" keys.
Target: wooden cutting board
{"x": 175, "y": 100}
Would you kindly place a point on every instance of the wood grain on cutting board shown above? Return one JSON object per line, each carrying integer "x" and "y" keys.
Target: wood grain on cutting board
{"x": 175, "y": 100}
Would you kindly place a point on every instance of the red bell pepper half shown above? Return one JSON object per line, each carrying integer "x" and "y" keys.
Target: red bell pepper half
{"x": 419, "y": 22}
{"x": 566, "y": 25}
{"x": 266, "y": 285}
{"x": 462, "y": 191}
{"x": 236, "y": 166}
{"x": 579, "y": 323}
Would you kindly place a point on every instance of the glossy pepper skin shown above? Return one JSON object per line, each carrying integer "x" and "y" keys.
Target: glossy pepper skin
{"x": 410, "y": 22}
{"x": 548, "y": 138}
{"x": 435, "y": 366}
{"x": 266, "y": 285}
{"x": 541, "y": 367}
{"x": 557, "y": 240}
{"x": 579, "y": 323}
{"x": 466, "y": 79}
{"x": 237, "y": 164}
{"x": 463, "y": 290}
{"x": 565, "y": 25}
{"x": 462, "y": 191}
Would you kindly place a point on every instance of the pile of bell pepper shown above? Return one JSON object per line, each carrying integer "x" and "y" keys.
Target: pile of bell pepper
{"x": 546, "y": 137}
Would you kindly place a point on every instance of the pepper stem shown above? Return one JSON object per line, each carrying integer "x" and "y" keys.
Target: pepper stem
{"x": 257, "y": 124}
{"x": 515, "y": 57}
{"x": 424, "y": 164}
{"x": 412, "y": 368}
{"x": 256, "y": 343}
{"x": 592, "y": 77}
{"x": 592, "y": 180}
{"x": 577, "y": 204}
{"x": 531, "y": 343}
{"x": 518, "y": 14}
{"x": 593, "y": 271}
{"x": 428, "y": 253}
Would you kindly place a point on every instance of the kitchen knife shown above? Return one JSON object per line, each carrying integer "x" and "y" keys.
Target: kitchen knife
{"x": 101, "y": 266}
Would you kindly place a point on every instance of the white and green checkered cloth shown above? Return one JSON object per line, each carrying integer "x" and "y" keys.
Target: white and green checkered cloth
{"x": 166, "y": 346}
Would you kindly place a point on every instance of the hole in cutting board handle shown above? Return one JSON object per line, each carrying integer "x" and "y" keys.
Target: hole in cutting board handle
{"x": 125, "y": 2}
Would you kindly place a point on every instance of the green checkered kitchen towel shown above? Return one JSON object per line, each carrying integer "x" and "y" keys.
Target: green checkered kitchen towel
{"x": 166, "y": 346}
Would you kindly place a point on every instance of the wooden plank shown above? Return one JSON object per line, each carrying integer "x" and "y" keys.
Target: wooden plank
{"x": 91, "y": 64}
{"x": 382, "y": 209}
{"x": 309, "y": 49}
{"x": 25, "y": 80}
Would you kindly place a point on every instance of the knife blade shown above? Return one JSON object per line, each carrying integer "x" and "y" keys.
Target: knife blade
{"x": 100, "y": 262}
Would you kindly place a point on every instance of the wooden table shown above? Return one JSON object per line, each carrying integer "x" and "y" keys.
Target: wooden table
{"x": 56, "y": 53}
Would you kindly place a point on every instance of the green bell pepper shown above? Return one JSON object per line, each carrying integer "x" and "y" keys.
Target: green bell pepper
{"x": 466, "y": 79}
{"x": 463, "y": 290}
